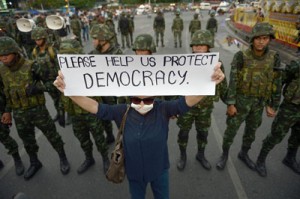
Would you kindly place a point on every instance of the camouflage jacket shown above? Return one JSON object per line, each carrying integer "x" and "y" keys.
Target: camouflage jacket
{"x": 291, "y": 81}
{"x": 75, "y": 25}
{"x": 177, "y": 24}
{"x": 195, "y": 24}
{"x": 212, "y": 24}
{"x": 159, "y": 23}
{"x": 261, "y": 69}
{"x": 15, "y": 80}
{"x": 2, "y": 98}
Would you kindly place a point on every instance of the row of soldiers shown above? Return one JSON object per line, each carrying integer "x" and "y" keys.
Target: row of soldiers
{"x": 23, "y": 94}
{"x": 177, "y": 27}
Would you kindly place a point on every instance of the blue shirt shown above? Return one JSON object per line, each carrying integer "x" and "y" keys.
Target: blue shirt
{"x": 145, "y": 136}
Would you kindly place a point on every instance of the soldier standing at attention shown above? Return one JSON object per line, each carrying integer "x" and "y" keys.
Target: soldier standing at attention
{"x": 177, "y": 28}
{"x": 255, "y": 84}
{"x": 159, "y": 27}
{"x": 195, "y": 25}
{"x": 131, "y": 28}
{"x": 45, "y": 55}
{"x": 288, "y": 117}
{"x": 76, "y": 27}
{"x": 212, "y": 23}
{"x": 123, "y": 27}
{"x": 103, "y": 41}
{"x": 202, "y": 41}
{"x": 24, "y": 92}
{"x": 9, "y": 143}
{"x": 83, "y": 122}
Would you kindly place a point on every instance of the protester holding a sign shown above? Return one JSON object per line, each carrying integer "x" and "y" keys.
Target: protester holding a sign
{"x": 103, "y": 41}
{"x": 83, "y": 122}
{"x": 255, "y": 84}
{"x": 145, "y": 133}
{"x": 202, "y": 41}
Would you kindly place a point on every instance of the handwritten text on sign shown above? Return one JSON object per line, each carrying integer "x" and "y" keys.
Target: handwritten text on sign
{"x": 129, "y": 75}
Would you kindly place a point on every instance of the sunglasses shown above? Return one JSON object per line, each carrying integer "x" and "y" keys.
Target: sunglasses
{"x": 146, "y": 101}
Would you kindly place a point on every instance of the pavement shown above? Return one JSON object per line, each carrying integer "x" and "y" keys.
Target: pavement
{"x": 286, "y": 52}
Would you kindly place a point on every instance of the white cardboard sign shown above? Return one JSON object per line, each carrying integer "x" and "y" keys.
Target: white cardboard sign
{"x": 138, "y": 75}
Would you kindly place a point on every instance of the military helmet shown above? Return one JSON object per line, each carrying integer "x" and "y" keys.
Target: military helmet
{"x": 202, "y": 37}
{"x": 144, "y": 42}
{"x": 101, "y": 32}
{"x": 39, "y": 33}
{"x": 8, "y": 46}
{"x": 212, "y": 13}
{"x": 70, "y": 46}
{"x": 177, "y": 12}
{"x": 261, "y": 29}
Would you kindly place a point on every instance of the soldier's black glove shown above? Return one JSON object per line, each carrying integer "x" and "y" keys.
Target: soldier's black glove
{"x": 34, "y": 89}
{"x": 61, "y": 119}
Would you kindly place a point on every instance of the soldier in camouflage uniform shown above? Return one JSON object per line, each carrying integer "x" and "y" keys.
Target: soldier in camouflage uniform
{"x": 83, "y": 122}
{"x": 123, "y": 27}
{"x": 177, "y": 28}
{"x": 9, "y": 143}
{"x": 45, "y": 55}
{"x": 288, "y": 117}
{"x": 103, "y": 41}
{"x": 24, "y": 92}
{"x": 3, "y": 29}
{"x": 159, "y": 27}
{"x": 255, "y": 83}
{"x": 53, "y": 37}
{"x": 202, "y": 41}
{"x": 212, "y": 23}
{"x": 110, "y": 23}
{"x": 195, "y": 25}
{"x": 76, "y": 27}
{"x": 131, "y": 28}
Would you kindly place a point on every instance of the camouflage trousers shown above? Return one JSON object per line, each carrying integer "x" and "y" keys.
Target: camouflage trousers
{"x": 177, "y": 37}
{"x": 27, "y": 120}
{"x": 9, "y": 143}
{"x": 288, "y": 117}
{"x": 202, "y": 118}
{"x": 249, "y": 109}
{"x": 159, "y": 33}
{"x": 125, "y": 38}
{"x": 131, "y": 37}
{"x": 83, "y": 125}
{"x": 56, "y": 97}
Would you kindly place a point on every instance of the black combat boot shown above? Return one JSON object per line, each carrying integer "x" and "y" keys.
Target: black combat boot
{"x": 261, "y": 164}
{"x": 243, "y": 155}
{"x": 110, "y": 138}
{"x": 88, "y": 162}
{"x": 64, "y": 163}
{"x": 106, "y": 163}
{"x": 156, "y": 43}
{"x": 35, "y": 165}
{"x": 162, "y": 44}
{"x": 222, "y": 162}
{"x": 1, "y": 164}
{"x": 290, "y": 160}
{"x": 182, "y": 160}
{"x": 175, "y": 45}
{"x": 180, "y": 44}
{"x": 18, "y": 164}
{"x": 201, "y": 158}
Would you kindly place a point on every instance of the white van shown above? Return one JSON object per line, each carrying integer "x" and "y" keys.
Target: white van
{"x": 205, "y": 6}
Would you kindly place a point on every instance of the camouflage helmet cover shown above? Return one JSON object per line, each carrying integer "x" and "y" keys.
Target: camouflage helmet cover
{"x": 101, "y": 32}
{"x": 39, "y": 33}
{"x": 202, "y": 37}
{"x": 8, "y": 46}
{"x": 196, "y": 16}
{"x": 261, "y": 29}
{"x": 70, "y": 46}
{"x": 212, "y": 13}
{"x": 144, "y": 42}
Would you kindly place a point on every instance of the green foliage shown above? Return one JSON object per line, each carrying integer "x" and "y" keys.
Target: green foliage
{"x": 79, "y": 4}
